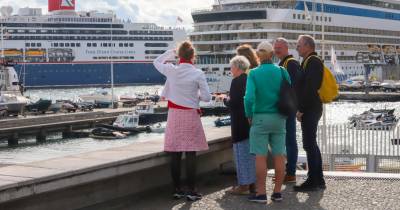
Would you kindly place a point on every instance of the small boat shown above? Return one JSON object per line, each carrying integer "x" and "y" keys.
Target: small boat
{"x": 375, "y": 85}
{"x": 11, "y": 90}
{"x": 128, "y": 122}
{"x": 216, "y": 107}
{"x": 373, "y": 119}
{"x": 3, "y": 111}
{"x": 55, "y": 108}
{"x": 157, "y": 128}
{"x": 40, "y": 106}
{"x": 147, "y": 114}
{"x": 99, "y": 96}
{"x": 104, "y": 133}
{"x": 102, "y": 104}
{"x": 388, "y": 86}
{"x": 128, "y": 100}
{"x": 221, "y": 122}
{"x": 15, "y": 104}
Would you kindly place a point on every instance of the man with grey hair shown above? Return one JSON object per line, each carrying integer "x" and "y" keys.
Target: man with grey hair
{"x": 310, "y": 111}
{"x": 281, "y": 48}
{"x": 240, "y": 129}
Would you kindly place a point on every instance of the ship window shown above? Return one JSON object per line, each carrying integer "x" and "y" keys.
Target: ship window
{"x": 61, "y": 44}
{"x": 330, "y": 19}
{"x": 39, "y": 44}
{"x": 78, "y": 44}
{"x": 294, "y": 16}
{"x": 55, "y": 44}
{"x": 72, "y": 44}
{"x": 66, "y": 45}
{"x": 298, "y": 16}
{"x": 33, "y": 44}
{"x": 317, "y": 18}
{"x": 156, "y": 45}
{"x": 121, "y": 44}
{"x": 154, "y": 51}
{"x": 125, "y": 44}
{"x": 304, "y": 17}
{"x": 89, "y": 44}
{"x": 130, "y": 44}
{"x": 27, "y": 44}
{"x": 94, "y": 44}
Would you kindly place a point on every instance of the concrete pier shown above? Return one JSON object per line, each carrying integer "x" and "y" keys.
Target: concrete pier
{"x": 371, "y": 97}
{"x": 40, "y": 126}
{"x": 83, "y": 180}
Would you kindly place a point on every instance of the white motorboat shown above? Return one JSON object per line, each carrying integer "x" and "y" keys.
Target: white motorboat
{"x": 11, "y": 90}
{"x": 100, "y": 95}
{"x": 157, "y": 128}
{"x": 374, "y": 120}
{"x": 128, "y": 122}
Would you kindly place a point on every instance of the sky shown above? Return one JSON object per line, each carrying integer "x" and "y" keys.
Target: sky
{"x": 161, "y": 12}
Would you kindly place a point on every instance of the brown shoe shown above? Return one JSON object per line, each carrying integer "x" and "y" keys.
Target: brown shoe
{"x": 288, "y": 179}
{"x": 240, "y": 190}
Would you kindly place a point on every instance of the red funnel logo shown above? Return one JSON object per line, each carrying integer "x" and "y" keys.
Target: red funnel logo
{"x": 61, "y": 5}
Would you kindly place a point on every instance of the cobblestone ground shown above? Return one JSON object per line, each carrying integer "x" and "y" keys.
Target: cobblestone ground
{"x": 340, "y": 194}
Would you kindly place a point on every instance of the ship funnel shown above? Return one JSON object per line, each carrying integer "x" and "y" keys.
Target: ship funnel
{"x": 56, "y": 5}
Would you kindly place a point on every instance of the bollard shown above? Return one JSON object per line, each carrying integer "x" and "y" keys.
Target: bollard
{"x": 13, "y": 140}
{"x": 41, "y": 136}
{"x": 371, "y": 164}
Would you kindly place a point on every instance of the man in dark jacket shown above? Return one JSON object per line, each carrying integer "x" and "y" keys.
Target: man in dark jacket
{"x": 310, "y": 111}
{"x": 240, "y": 128}
{"x": 281, "y": 48}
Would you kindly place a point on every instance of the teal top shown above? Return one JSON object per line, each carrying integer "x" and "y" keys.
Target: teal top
{"x": 263, "y": 88}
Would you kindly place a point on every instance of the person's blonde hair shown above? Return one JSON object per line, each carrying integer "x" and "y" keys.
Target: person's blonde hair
{"x": 247, "y": 51}
{"x": 265, "y": 51}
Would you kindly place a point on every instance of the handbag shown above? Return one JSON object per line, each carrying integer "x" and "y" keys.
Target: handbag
{"x": 287, "y": 102}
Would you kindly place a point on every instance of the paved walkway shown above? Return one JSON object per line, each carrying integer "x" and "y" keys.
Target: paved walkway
{"x": 341, "y": 193}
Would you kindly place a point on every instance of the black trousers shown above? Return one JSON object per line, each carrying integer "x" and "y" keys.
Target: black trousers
{"x": 176, "y": 159}
{"x": 309, "y": 126}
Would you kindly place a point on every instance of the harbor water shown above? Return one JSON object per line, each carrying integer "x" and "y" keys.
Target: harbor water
{"x": 29, "y": 150}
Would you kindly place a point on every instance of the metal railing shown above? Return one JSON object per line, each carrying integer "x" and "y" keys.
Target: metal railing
{"x": 369, "y": 149}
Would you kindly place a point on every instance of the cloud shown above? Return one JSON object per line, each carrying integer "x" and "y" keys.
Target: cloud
{"x": 161, "y": 12}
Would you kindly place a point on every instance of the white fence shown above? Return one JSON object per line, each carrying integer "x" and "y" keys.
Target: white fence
{"x": 370, "y": 149}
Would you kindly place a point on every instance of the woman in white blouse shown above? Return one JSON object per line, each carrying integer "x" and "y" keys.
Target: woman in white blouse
{"x": 185, "y": 87}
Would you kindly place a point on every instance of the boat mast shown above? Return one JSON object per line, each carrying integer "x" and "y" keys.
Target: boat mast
{"x": 112, "y": 63}
{"x": 2, "y": 42}
{"x": 323, "y": 30}
{"x": 314, "y": 8}
{"x": 323, "y": 60}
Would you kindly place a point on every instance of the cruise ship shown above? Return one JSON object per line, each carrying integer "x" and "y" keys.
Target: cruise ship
{"x": 69, "y": 48}
{"x": 350, "y": 27}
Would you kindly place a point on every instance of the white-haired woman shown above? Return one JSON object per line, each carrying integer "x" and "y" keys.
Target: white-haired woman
{"x": 268, "y": 127}
{"x": 244, "y": 160}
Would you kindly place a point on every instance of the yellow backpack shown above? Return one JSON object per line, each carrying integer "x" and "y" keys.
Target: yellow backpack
{"x": 329, "y": 89}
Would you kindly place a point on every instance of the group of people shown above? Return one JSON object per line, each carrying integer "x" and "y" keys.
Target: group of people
{"x": 258, "y": 127}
